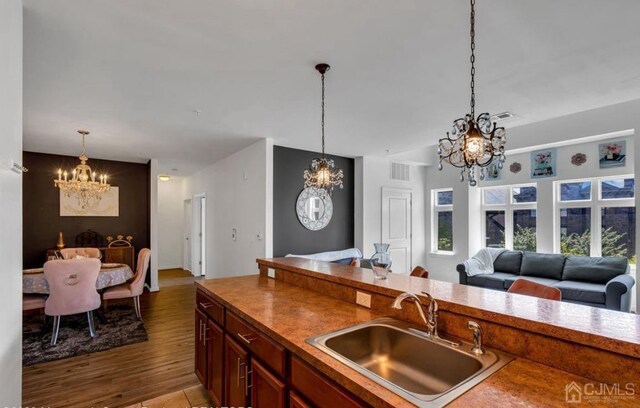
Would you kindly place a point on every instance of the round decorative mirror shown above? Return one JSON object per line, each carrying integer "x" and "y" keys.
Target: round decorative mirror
{"x": 314, "y": 208}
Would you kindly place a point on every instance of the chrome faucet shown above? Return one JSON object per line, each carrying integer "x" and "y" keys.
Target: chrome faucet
{"x": 432, "y": 311}
{"x": 477, "y": 337}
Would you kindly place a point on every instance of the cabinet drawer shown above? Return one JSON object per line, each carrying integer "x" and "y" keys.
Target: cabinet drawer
{"x": 210, "y": 307}
{"x": 318, "y": 390}
{"x": 271, "y": 353}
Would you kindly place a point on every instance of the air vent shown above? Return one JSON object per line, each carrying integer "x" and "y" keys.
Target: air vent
{"x": 501, "y": 116}
{"x": 400, "y": 171}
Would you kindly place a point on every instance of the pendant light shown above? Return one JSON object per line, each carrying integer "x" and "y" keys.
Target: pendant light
{"x": 322, "y": 173}
{"x": 473, "y": 142}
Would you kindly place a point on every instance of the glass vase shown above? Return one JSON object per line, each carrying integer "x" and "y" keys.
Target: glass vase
{"x": 381, "y": 261}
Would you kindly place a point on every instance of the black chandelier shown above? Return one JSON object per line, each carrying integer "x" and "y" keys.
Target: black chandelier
{"x": 322, "y": 173}
{"x": 473, "y": 142}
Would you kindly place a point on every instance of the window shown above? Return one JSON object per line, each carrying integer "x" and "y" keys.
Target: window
{"x": 442, "y": 234}
{"x": 510, "y": 217}
{"x": 597, "y": 217}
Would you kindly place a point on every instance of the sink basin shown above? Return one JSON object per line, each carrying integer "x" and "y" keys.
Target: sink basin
{"x": 406, "y": 361}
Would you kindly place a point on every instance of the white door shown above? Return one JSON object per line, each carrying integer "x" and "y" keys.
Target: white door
{"x": 396, "y": 227}
{"x": 186, "y": 241}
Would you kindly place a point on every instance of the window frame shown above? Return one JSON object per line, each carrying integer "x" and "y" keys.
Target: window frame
{"x": 508, "y": 207}
{"x": 435, "y": 209}
{"x": 596, "y": 204}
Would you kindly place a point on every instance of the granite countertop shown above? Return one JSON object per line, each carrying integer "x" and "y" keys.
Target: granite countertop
{"x": 290, "y": 314}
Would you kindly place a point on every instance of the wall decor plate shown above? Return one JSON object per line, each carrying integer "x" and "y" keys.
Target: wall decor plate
{"x": 314, "y": 208}
{"x": 578, "y": 159}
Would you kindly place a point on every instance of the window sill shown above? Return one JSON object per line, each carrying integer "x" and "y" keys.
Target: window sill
{"x": 442, "y": 254}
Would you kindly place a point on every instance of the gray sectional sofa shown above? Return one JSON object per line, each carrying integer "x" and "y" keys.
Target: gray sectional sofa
{"x": 599, "y": 282}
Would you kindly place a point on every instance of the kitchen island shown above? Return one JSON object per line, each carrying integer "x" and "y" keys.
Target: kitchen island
{"x": 263, "y": 323}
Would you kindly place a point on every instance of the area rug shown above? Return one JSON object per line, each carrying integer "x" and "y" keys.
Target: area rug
{"x": 121, "y": 327}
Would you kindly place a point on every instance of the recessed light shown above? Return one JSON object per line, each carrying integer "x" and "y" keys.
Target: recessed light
{"x": 164, "y": 177}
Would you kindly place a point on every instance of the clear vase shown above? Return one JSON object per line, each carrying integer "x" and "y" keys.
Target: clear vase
{"x": 381, "y": 261}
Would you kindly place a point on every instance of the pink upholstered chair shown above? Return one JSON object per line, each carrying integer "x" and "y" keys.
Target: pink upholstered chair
{"x": 530, "y": 288}
{"x": 72, "y": 290}
{"x": 134, "y": 288}
{"x": 71, "y": 253}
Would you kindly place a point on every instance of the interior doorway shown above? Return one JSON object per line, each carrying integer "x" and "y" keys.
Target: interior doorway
{"x": 396, "y": 227}
{"x": 186, "y": 238}
{"x": 198, "y": 235}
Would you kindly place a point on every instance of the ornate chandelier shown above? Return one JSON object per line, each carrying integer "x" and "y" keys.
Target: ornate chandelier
{"x": 473, "y": 142}
{"x": 83, "y": 182}
{"x": 322, "y": 173}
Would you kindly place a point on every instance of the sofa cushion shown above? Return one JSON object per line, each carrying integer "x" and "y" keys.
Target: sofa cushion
{"x": 594, "y": 270}
{"x": 543, "y": 281}
{"x": 582, "y": 291}
{"x": 508, "y": 262}
{"x": 542, "y": 265}
{"x": 492, "y": 281}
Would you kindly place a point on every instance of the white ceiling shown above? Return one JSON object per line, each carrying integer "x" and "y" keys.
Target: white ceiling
{"x": 133, "y": 72}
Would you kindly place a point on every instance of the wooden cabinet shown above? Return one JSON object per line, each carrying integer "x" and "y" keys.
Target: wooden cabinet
{"x": 201, "y": 346}
{"x": 266, "y": 389}
{"x": 296, "y": 401}
{"x": 215, "y": 363}
{"x": 236, "y": 373}
{"x": 241, "y": 366}
{"x": 319, "y": 390}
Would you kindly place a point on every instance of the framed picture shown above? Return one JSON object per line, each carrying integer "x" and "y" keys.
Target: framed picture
{"x": 612, "y": 154}
{"x": 493, "y": 172}
{"x": 543, "y": 163}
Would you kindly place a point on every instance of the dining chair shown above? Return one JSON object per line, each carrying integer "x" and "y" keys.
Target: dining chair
{"x": 134, "y": 288}
{"x": 530, "y": 288}
{"x": 72, "y": 290}
{"x": 72, "y": 253}
{"x": 420, "y": 272}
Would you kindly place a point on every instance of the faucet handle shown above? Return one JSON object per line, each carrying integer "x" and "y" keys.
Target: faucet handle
{"x": 471, "y": 325}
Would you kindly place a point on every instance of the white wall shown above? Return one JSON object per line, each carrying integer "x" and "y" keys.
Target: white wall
{"x": 371, "y": 175}
{"x": 10, "y": 203}
{"x": 466, "y": 208}
{"x": 239, "y": 195}
{"x": 170, "y": 223}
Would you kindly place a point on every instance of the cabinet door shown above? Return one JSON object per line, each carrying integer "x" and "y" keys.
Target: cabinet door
{"x": 295, "y": 401}
{"x": 266, "y": 389}
{"x": 215, "y": 363}
{"x": 201, "y": 347}
{"x": 236, "y": 390}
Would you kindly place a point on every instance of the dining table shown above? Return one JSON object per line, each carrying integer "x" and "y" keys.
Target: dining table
{"x": 111, "y": 274}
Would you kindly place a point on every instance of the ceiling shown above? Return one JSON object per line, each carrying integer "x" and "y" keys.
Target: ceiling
{"x": 135, "y": 72}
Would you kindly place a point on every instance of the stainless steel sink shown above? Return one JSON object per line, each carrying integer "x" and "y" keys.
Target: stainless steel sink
{"x": 395, "y": 355}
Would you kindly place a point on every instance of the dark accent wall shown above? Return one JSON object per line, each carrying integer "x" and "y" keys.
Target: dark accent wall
{"x": 41, "y": 205}
{"x": 289, "y": 236}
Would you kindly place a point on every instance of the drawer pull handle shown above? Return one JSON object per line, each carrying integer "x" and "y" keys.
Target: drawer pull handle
{"x": 247, "y": 376}
{"x": 247, "y": 337}
{"x": 205, "y": 305}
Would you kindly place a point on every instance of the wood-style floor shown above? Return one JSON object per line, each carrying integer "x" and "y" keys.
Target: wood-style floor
{"x": 127, "y": 375}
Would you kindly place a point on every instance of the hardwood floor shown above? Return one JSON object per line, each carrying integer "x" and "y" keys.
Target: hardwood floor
{"x": 129, "y": 374}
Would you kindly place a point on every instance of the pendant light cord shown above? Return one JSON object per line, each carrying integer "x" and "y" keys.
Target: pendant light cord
{"x": 323, "y": 116}
{"x": 473, "y": 58}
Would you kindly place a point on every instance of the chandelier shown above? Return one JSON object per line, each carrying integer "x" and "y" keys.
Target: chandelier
{"x": 473, "y": 142}
{"x": 83, "y": 182}
{"x": 322, "y": 173}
